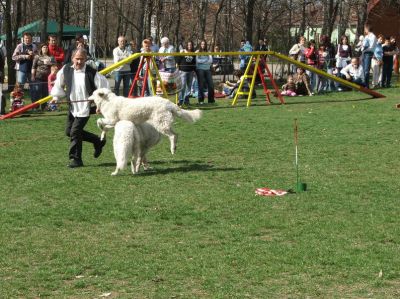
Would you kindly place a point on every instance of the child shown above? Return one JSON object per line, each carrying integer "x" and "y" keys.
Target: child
{"x": 50, "y": 83}
{"x": 17, "y": 98}
{"x": 289, "y": 89}
{"x": 229, "y": 87}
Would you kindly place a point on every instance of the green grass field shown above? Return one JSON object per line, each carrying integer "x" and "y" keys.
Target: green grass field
{"x": 192, "y": 227}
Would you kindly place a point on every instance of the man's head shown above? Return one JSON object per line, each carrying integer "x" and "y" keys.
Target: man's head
{"x": 79, "y": 38}
{"x": 355, "y": 62}
{"x": 146, "y": 44}
{"x": 52, "y": 40}
{"x": 79, "y": 57}
{"x": 165, "y": 41}
{"x": 367, "y": 29}
{"x": 27, "y": 36}
{"x": 121, "y": 41}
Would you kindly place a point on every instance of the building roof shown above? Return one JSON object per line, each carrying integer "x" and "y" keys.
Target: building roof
{"x": 69, "y": 31}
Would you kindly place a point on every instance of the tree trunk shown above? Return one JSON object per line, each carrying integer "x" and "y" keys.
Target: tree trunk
{"x": 214, "y": 32}
{"x": 302, "y": 28}
{"x": 10, "y": 45}
{"x": 362, "y": 17}
{"x": 249, "y": 21}
{"x": 203, "y": 18}
{"x": 60, "y": 21}
{"x": 45, "y": 13}
{"x": 178, "y": 25}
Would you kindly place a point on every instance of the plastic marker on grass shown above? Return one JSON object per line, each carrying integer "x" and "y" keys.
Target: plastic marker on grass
{"x": 299, "y": 186}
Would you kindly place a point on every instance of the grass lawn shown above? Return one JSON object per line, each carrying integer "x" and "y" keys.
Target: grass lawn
{"x": 192, "y": 227}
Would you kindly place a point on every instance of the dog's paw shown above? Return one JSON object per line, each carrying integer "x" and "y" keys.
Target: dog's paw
{"x": 114, "y": 173}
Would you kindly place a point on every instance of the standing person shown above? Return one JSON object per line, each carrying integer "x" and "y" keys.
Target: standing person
{"x": 369, "y": 44}
{"x": 187, "y": 65}
{"x": 396, "y": 55}
{"x": 329, "y": 59}
{"x": 168, "y": 62}
{"x": 311, "y": 54}
{"x": 40, "y": 72}
{"x": 122, "y": 73}
{"x": 344, "y": 53}
{"x": 77, "y": 81}
{"x": 56, "y": 51}
{"x": 204, "y": 75}
{"x": 244, "y": 59}
{"x": 51, "y": 79}
{"x": 343, "y": 56}
{"x": 261, "y": 47}
{"x": 377, "y": 62}
{"x": 389, "y": 50}
{"x": 134, "y": 65}
{"x": 297, "y": 52}
{"x": 153, "y": 45}
{"x": 2, "y": 64}
{"x": 23, "y": 56}
{"x": 150, "y": 84}
{"x": 78, "y": 39}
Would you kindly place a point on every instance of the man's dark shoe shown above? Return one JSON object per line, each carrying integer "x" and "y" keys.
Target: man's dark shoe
{"x": 75, "y": 163}
{"x": 99, "y": 148}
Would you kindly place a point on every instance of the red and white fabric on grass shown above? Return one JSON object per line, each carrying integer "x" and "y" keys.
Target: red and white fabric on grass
{"x": 270, "y": 192}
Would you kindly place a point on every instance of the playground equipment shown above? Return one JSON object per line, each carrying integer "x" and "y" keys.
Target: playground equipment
{"x": 248, "y": 74}
{"x": 255, "y": 55}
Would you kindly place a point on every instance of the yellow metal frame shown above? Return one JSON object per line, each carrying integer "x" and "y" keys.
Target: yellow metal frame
{"x": 247, "y": 76}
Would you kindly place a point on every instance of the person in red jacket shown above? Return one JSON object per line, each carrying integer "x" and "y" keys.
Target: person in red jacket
{"x": 56, "y": 51}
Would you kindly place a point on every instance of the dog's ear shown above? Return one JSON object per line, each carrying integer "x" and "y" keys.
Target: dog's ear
{"x": 102, "y": 93}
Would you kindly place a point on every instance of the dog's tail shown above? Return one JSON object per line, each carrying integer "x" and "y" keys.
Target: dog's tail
{"x": 189, "y": 115}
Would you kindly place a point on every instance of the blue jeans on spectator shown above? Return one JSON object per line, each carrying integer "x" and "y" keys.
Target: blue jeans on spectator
{"x": 366, "y": 63}
{"x": 40, "y": 90}
{"x": 387, "y": 70}
{"x": 125, "y": 77}
{"x": 187, "y": 78}
{"x": 22, "y": 78}
{"x": 205, "y": 79}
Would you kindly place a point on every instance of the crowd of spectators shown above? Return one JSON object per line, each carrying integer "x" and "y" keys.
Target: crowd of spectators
{"x": 36, "y": 65}
{"x": 371, "y": 54}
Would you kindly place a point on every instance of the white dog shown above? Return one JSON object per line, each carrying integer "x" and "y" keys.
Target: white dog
{"x": 131, "y": 143}
{"x": 159, "y": 111}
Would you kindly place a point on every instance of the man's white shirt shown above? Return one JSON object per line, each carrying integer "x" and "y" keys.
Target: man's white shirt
{"x": 80, "y": 107}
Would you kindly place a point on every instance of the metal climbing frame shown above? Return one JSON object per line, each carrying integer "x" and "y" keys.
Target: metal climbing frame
{"x": 252, "y": 69}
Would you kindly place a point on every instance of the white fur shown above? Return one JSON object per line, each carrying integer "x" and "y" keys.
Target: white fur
{"x": 132, "y": 142}
{"x": 159, "y": 111}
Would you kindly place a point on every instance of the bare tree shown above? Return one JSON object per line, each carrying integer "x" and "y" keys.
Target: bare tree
{"x": 44, "y": 5}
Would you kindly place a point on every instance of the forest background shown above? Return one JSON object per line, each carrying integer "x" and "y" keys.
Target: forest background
{"x": 220, "y": 22}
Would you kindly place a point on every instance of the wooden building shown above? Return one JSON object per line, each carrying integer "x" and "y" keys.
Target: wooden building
{"x": 384, "y": 16}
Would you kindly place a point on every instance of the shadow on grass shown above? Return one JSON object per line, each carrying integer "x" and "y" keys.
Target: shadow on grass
{"x": 275, "y": 102}
{"x": 190, "y": 166}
